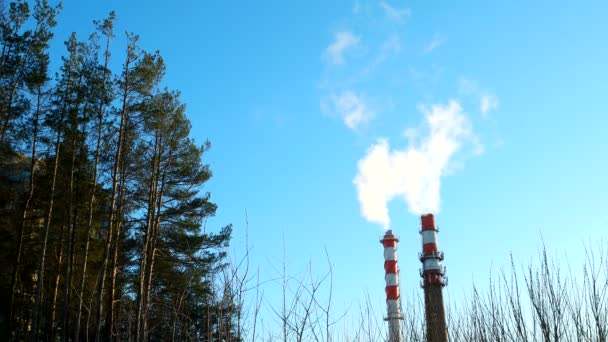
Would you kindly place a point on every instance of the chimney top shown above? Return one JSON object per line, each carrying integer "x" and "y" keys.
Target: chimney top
{"x": 427, "y": 222}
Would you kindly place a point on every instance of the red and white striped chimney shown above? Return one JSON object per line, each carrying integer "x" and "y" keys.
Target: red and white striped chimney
{"x": 432, "y": 272}
{"x": 433, "y": 281}
{"x": 393, "y": 300}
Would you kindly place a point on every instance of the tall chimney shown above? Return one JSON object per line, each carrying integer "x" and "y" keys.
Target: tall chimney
{"x": 393, "y": 301}
{"x": 433, "y": 281}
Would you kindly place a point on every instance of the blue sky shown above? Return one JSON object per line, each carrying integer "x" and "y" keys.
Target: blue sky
{"x": 293, "y": 95}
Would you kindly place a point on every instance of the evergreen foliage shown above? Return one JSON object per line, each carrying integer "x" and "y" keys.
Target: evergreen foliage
{"x": 101, "y": 201}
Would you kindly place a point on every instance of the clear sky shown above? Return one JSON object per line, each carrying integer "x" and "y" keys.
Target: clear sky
{"x": 293, "y": 94}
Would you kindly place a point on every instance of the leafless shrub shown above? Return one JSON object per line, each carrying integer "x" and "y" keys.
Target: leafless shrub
{"x": 535, "y": 302}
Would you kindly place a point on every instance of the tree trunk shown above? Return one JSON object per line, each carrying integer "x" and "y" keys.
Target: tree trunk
{"x": 39, "y": 292}
{"x": 155, "y": 231}
{"x": 152, "y": 191}
{"x": 67, "y": 280}
{"x": 114, "y": 267}
{"x": 53, "y": 329}
{"x": 117, "y": 163}
{"x": 26, "y": 208}
{"x": 100, "y": 117}
{"x": 109, "y": 238}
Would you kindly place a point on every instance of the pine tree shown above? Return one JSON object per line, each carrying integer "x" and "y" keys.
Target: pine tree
{"x": 35, "y": 77}
{"x": 66, "y": 103}
{"x": 101, "y": 96}
{"x": 14, "y": 49}
{"x": 174, "y": 216}
{"x": 141, "y": 73}
{"x": 20, "y": 62}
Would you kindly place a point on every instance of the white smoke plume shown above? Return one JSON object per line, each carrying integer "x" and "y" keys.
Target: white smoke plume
{"x": 413, "y": 173}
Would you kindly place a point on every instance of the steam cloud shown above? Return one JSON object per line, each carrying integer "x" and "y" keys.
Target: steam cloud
{"x": 413, "y": 173}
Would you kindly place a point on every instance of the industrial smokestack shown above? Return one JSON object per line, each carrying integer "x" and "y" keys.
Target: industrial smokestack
{"x": 433, "y": 281}
{"x": 393, "y": 300}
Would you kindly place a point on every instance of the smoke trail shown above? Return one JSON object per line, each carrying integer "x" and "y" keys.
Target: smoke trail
{"x": 413, "y": 173}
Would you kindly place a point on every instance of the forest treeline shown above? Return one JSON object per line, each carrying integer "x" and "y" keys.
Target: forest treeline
{"x": 101, "y": 204}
